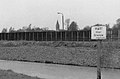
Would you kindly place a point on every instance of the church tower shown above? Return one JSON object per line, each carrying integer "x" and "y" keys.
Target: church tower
{"x": 57, "y": 26}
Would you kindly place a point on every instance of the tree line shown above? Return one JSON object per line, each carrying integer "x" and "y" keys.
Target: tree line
{"x": 25, "y": 29}
{"x": 69, "y": 26}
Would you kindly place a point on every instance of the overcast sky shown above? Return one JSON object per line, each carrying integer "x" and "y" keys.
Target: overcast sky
{"x": 43, "y": 13}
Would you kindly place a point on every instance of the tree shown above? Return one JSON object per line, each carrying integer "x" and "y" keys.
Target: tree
{"x": 107, "y": 26}
{"x": 37, "y": 29}
{"x": 73, "y": 26}
{"x": 20, "y": 30}
{"x": 12, "y": 29}
{"x": 4, "y": 30}
{"x": 67, "y": 22}
{"x": 45, "y": 28}
{"x": 116, "y": 27}
{"x": 87, "y": 28}
{"x": 29, "y": 29}
{"x": 118, "y": 23}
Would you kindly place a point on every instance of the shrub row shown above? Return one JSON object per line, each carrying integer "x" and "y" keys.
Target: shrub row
{"x": 56, "y": 52}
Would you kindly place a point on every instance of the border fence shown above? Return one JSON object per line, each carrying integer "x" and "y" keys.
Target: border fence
{"x": 80, "y": 35}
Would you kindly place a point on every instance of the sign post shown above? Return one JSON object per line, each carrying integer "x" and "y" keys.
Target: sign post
{"x": 99, "y": 60}
{"x": 98, "y": 33}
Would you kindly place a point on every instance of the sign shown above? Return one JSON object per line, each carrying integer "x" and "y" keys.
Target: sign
{"x": 98, "y": 32}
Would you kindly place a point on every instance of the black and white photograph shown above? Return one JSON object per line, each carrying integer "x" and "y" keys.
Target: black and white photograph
{"x": 59, "y": 39}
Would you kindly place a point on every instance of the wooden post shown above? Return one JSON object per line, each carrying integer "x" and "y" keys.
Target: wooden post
{"x": 37, "y": 36}
{"x": 7, "y": 37}
{"x": 17, "y": 36}
{"x": 99, "y": 60}
{"x": 4, "y": 36}
{"x": 42, "y": 36}
{"x": 83, "y": 36}
{"x": 111, "y": 36}
{"x": 89, "y": 35}
{"x": 28, "y": 36}
{"x": 51, "y": 36}
{"x": 33, "y": 36}
{"x": 65, "y": 36}
{"x": 20, "y": 36}
{"x": 61, "y": 35}
{"x": 1, "y": 36}
{"x": 25, "y": 36}
{"x": 46, "y": 36}
{"x": 56, "y": 36}
{"x": 77, "y": 36}
{"x": 72, "y": 35}
{"x": 13, "y": 36}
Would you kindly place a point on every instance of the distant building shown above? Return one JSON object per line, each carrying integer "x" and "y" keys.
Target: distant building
{"x": 57, "y": 26}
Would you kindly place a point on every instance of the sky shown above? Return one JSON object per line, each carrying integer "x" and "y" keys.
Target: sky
{"x": 43, "y": 13}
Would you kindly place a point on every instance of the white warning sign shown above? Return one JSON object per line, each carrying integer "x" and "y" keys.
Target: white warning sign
{"x": 98, "y": 32}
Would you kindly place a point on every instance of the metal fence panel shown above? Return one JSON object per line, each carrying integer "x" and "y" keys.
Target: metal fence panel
{"x": 55, "y": 36}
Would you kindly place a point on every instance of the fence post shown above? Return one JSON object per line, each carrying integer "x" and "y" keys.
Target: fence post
{"x": 13, "y": 36}
{"x": 56, "y": 36}
{"x": 83, "y": 36}
{"x": 72, "y": 35}
{"x": 42, "y": 36}
{"x": 111, "y": 35}
{"x": 33, "y": 36}
{"x": 61, "y": 35}
{"x": 89, "y": 35}
{"x": 4, "y": 36}
{"x": 17, "y": 36}
{"x": 7, "y": 36}
{"x": 65, "y": 36}
{"x": 25, "y": 36}
{"x": 51, "y": 36}
{"x": 21, "y": 35}
{"x": 37, "y": 36}
{"x": 1, "y": 36}
{"x": 77, "y": 36}
{"x": 46, "y": 36}
{"x": 28, "y": 36}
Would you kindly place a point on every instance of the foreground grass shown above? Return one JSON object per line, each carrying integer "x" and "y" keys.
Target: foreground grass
{"x": 9, "y": 74}
{"x": 74, "y": 53}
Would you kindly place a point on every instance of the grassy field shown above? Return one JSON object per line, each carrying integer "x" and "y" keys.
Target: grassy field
{"x": 73, "y": 53}
{"x": 9, "y": 74}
